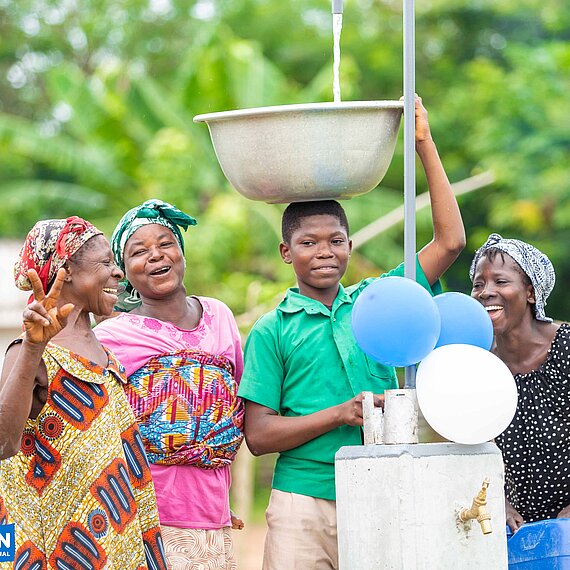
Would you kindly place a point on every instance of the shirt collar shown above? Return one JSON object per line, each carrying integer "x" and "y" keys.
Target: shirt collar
{"x": 295, "y": 302}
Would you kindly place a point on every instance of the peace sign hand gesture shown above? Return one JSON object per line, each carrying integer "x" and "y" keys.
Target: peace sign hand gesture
{"x": 43, "y": 319}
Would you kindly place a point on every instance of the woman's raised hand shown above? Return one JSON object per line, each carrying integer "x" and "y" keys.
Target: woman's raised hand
{"x": 43, "y": 319}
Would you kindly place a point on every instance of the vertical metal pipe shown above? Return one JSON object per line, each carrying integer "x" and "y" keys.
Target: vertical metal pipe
{"x": 409, "y": 159}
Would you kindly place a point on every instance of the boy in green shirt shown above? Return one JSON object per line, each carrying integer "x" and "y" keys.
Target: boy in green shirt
{"x": 304, "y": 373}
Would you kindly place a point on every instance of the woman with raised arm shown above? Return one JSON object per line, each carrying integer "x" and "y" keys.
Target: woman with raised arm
{"x": 74, "y": 479}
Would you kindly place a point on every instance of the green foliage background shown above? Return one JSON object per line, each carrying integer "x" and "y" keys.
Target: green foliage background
{"x": 97, "y": 100}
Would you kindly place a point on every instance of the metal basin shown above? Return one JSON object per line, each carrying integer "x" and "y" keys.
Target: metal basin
{"x": 315, "y": 151}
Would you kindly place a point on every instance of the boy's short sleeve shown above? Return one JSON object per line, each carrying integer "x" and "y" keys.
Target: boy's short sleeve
{"x": 421, "y": 279}
{"x": 263, "y": 372}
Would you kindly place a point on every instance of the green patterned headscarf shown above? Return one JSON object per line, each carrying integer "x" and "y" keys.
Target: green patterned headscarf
{"x": 150, "y": 212}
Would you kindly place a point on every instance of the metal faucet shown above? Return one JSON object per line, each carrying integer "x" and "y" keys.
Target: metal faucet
{"x": 478, "y": 510}
{"x": 337, "y": 6}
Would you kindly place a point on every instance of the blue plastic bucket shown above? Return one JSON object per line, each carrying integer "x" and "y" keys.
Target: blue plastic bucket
{"x": 541, "y": 545}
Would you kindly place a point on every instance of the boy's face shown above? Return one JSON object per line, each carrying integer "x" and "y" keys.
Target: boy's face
{"x": 319, "y": 251}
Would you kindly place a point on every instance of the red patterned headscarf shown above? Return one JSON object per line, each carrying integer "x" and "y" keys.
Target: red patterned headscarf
{"x": 48, "y": 245}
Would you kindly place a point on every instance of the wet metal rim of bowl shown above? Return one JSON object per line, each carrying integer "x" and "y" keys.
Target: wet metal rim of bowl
{"x": 302, "y": 107}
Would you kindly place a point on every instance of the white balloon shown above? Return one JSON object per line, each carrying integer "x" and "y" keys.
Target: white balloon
{"x": 467, "y": 394}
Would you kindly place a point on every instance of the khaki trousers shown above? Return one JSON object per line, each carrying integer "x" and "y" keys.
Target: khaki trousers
{"x": 301, "y": 533}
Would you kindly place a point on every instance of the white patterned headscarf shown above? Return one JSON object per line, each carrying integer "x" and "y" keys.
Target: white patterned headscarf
{"x": 533, "y": 263}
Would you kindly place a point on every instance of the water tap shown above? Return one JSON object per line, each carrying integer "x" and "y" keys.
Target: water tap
{"x": 337, "y": 6}
{"x": 478, "y": 510}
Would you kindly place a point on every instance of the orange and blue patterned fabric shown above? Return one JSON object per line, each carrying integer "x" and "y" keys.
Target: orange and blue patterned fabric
{"x": 79, "y": 491}
{"x": 187, "y": 408}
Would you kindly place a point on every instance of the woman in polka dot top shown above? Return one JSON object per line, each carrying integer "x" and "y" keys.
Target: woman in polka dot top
{"x": 512, "y": 280}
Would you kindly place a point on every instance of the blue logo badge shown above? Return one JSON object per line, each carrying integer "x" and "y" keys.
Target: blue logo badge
{"x": 7, "y": 543}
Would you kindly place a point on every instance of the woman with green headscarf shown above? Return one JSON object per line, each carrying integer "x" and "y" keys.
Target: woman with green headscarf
{"x": 183, "y": 359}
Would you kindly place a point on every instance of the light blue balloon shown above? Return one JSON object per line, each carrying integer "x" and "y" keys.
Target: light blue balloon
{"x": 463, "y": 321}
{"x": 395, "y": 321}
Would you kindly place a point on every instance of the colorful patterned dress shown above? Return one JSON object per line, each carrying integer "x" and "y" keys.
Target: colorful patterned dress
{"x": 79, "y": 491}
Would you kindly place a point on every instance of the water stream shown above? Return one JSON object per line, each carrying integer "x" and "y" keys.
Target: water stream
{"x": 337, "y": 27}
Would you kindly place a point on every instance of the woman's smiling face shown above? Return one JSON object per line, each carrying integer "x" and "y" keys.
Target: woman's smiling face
{"x": 94, "y": 276}
{"x": 154, "y": 262}
{"x": 502, "y": 288}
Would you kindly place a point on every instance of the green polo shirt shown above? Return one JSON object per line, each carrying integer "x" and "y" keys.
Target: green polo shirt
{"x": 301, "y": 358}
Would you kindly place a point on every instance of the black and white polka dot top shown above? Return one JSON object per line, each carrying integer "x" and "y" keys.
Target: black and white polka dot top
{"x": 536, "y": 445}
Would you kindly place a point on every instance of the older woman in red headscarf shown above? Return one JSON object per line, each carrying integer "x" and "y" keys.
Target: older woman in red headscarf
{"x": 74, "y": 480}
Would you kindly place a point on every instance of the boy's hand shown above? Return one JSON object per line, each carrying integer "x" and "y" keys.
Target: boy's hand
{"x": 351, "y": 411}
{"x": 423, "y": 132}
{"x": 42, "y": 318}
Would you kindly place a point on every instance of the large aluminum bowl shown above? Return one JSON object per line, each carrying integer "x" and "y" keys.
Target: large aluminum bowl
{"x": 315, "y": 151}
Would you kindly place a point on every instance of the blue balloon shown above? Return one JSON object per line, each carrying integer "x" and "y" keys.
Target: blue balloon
{"x": 395, "y": 321}
{"x": 463, "y": 321}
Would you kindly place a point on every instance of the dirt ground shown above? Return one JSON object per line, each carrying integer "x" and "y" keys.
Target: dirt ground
{"x": 249, "y": 546}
